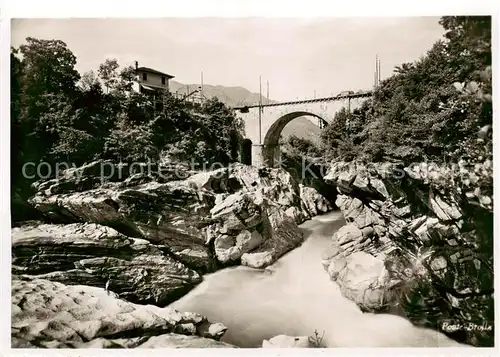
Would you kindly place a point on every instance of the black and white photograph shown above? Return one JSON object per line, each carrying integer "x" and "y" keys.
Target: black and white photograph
{"x": 250, "y": 182}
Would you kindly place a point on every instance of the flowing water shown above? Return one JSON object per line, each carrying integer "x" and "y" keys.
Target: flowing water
{"x": 295, "y": 297}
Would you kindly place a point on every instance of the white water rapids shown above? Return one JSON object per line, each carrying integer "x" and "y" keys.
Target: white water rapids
{"x": 295, "y": 297}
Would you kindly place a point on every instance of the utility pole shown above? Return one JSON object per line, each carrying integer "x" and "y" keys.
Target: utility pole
{"x": 267, "y": 92}
{"x": 260, "y": 110}
{"x": 378, "y": 71}
{"x": 377, "y": 76}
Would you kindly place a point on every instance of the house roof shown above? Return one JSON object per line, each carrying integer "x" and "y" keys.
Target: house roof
{"x": 152, "y": 87}
{"x": 151, "y": 70}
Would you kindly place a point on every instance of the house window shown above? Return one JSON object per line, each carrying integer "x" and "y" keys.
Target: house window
{"x": 144, "y": 76}
{"x": 163, "y": 80}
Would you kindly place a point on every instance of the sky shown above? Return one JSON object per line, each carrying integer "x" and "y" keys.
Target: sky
{"x": 299, "y": 57}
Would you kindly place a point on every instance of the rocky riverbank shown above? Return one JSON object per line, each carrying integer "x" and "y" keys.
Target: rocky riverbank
{"x": 419, "y": 242}
{"x": 53, "y": 315}
{"x": 148, "y": 239}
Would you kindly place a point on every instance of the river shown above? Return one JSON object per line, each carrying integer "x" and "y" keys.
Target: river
{"x": 295, "y": 297}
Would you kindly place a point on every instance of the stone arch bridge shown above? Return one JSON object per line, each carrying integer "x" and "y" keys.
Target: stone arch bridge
{"x": 261, "y": 146}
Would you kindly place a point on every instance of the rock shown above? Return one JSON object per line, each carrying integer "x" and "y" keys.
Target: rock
{"x": 380, "y": 230}
{"x": 182, "y": 341}
{"x": 379, "y": 187}
{"x": 368, "y": 232}
{"x": 444, "y": 211}
{"x": 263, "y": 227}
{"x": 438, "y": 263}
{"x": 422, "y": 232}
{"x": 170, "y": 214}
{"x": 402, "y": 212}
{"x": 248, "y": 240}
{"x": 53, "y": 315}
{"x": 284, "y": 341}
{"x": 313, "y": 202}
{"x": 214, "y": 331}
{"x": 485, "y": 200}
{"x": 229, "y": 248}
{"x": 229, "y": 207}
{"x": 349, "y": 233}
{"x": 95, "y": 255}
{"x": 280, "y": 233}
{"x": 296, "y": 214}
{"x": 331, "y": 252}
{"x": 345, "y": 179}
{"x": 362, "y": 280}
{"x": 351, "y": 207}
{"x": 416, "y": 223}
{"x": 257, "y": 260}
{"x": 335, "y": 266}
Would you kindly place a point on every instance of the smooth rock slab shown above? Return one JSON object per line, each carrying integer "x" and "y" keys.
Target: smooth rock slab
{"x": 95, "y": 255}
{"x": 170, "y": 214}
{"x": 182, "y": 341}
{"x": 49, "y": 314}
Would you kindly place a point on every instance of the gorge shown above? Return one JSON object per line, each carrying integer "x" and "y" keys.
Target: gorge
{"x": 225, "y": 244}
{"x": 387, "y": 240}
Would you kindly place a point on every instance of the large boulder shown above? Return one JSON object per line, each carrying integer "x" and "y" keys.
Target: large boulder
{"x": 313, "y": 202}
{"x": 95, "y": 255}
{"x": 362, "y": 278}
{"x": 52, "y": 315}
{"x": 250, "y": 225}
{"x": 171, "y": 214}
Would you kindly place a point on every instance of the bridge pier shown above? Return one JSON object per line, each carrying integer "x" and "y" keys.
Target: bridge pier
{"x": 265, "y": 155}
{"x": 258, "y": 155}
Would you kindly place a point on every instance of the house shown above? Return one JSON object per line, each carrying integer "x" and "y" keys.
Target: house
{"x": 149, "y": 80}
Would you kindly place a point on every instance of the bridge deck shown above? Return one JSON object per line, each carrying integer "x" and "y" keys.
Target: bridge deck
{"x": 326, "y": 99}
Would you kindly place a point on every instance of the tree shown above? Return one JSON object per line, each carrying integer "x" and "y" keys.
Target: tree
{"x": 16, "y": 137}
{"x": 108, "y": 73}
{"x": 302, "y": 146}
{"x": 89, "y": 81}
{"x": 127, "y": 142}
{"x": 417, "y": 114}
{"x": 49, "y": 67}
{"x": 48, "y": 73}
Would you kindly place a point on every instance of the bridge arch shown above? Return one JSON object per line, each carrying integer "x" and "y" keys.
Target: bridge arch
{"x": 271, "y": 147}
{"x": 265, "y": 122}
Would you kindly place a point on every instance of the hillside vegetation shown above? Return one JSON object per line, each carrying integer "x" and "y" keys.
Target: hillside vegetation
{"x": 58, "y": 116}
{"x": 438, "y": 107}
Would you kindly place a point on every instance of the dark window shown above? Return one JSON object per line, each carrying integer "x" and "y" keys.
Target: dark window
{"x": 144, "y": 76}
{"x": 163, "y": 80}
